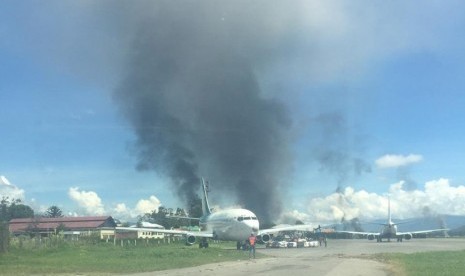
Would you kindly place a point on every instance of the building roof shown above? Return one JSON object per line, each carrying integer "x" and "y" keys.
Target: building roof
{"x": 70, "y": 223}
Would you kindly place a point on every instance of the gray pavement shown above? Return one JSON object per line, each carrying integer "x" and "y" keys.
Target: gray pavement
{"x": 341, "y": 257}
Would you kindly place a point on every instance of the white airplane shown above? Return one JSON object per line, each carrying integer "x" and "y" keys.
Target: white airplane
{"x": 389, "y": 230}
{"x": 228, "y": 225}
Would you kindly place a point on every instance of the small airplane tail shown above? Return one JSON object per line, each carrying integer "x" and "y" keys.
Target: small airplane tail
{"x": 389, "y": 211}
{"x": 205, "y": 206}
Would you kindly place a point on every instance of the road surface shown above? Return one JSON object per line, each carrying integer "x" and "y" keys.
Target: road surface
{"x": 341, "y": 257}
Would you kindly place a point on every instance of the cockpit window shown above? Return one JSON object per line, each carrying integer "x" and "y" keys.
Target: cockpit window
{"x": 246, "y": 218}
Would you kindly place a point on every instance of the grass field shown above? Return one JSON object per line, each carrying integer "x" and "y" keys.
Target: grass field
{"x": 109, "y": 259}
{"x": 427, "y": 263}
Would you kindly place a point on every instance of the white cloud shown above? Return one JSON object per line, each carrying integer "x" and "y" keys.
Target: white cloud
{"x": 437, "y": 197}
{"x": 143, "y": 206}
{"x": 4, "y": 181}
{"x": 121, "y": 208}
{"x": 89, "y": 201}
{"x": 394, "y": 161}
{"x": 348, "y": 204}
{"x": 91, "y": 204}
{"x": 9, "y": 190}
{"x": 148, "y": 205}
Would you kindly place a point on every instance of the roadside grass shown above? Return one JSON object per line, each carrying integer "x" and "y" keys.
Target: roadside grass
{"x": 104, "y": 259}
{"x": 426, "y": 263}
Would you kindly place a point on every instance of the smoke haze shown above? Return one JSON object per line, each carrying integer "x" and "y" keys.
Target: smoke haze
{"x": 191, "y": 93}
{"x": 334, "y": 151}
{"x": 215, "y": 88}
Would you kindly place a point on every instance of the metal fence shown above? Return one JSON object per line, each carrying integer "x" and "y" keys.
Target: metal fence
{"x": 26, "y": 242}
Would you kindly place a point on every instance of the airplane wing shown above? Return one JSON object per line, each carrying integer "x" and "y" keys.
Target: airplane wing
{"x": 181, "y": 217}
{"x": 301, "y": 227}
{"x": 422, "y": 232}
{"x": 201, "y": 234}
{"x": 359, "y": 233}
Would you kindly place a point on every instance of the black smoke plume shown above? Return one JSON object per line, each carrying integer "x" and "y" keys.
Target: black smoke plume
{"x": 334, "y": 152}
{"x": 191, "y": 94}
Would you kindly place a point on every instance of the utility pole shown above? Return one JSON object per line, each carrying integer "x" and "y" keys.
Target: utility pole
{"x": 4, "y": 237}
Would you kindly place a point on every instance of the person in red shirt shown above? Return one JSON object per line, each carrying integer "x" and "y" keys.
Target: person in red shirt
{"x": 252, "y": 241}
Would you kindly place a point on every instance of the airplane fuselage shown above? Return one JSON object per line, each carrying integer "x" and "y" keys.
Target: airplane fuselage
{"x": 232, "y": 224}
{"x": 228, "y": 225}
{"x": 389, "y": 231}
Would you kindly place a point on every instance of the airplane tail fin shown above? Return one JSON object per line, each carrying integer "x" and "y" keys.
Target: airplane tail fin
{"x": 205, "y": 206}
{"x": 389, "y": 210}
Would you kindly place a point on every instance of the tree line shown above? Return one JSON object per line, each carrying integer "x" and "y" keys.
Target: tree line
{"x": 14, "y": 209}
{"x": 167, "y": 217}
{"x": 174, "y": 218}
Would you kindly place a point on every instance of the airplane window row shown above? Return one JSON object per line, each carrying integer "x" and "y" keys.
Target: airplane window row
{"x": 246, "y": 218}
{"x": 151, "y": 233}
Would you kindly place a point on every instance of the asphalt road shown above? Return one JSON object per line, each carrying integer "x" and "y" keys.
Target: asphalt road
{"x": 341, "y": 257}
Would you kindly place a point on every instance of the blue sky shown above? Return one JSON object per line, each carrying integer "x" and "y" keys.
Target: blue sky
{"x": 392, "y": 72}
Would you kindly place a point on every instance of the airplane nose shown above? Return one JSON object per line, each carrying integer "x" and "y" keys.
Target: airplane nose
{"x": 253, "y": 225}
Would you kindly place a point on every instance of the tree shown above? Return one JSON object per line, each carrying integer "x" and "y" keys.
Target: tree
{"x": 180, "y": 212}
{"x": 53, "y": 212}
{"x": 21, "y": 211}
{"x": 195, "y": 208}
{"x": 166, "y": 217}
{"x": 11, "y": 209}
{"x": 160, "y": 217}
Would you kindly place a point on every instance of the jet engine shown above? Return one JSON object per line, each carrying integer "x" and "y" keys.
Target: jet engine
{"x": 190, "y": 239}
{"x": 264, "y": 238}
{"x": 371, "y": 237}
{"x": 407, "y": 236}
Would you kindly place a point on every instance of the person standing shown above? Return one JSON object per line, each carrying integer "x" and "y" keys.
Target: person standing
{"x": 252, "y": 241}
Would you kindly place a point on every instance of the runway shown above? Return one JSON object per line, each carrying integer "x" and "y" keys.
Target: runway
{"x": 340, "y": 257}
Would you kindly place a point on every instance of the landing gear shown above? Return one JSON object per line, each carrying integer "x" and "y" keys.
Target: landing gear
{"x": 203, "y": 243}
{"x": 399, "y": 239}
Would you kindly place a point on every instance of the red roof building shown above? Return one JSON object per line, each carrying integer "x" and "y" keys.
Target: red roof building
{"x": 49, "y": 225}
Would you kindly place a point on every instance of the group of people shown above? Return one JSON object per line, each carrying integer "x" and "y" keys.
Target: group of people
{"x": 253, "y": 240}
